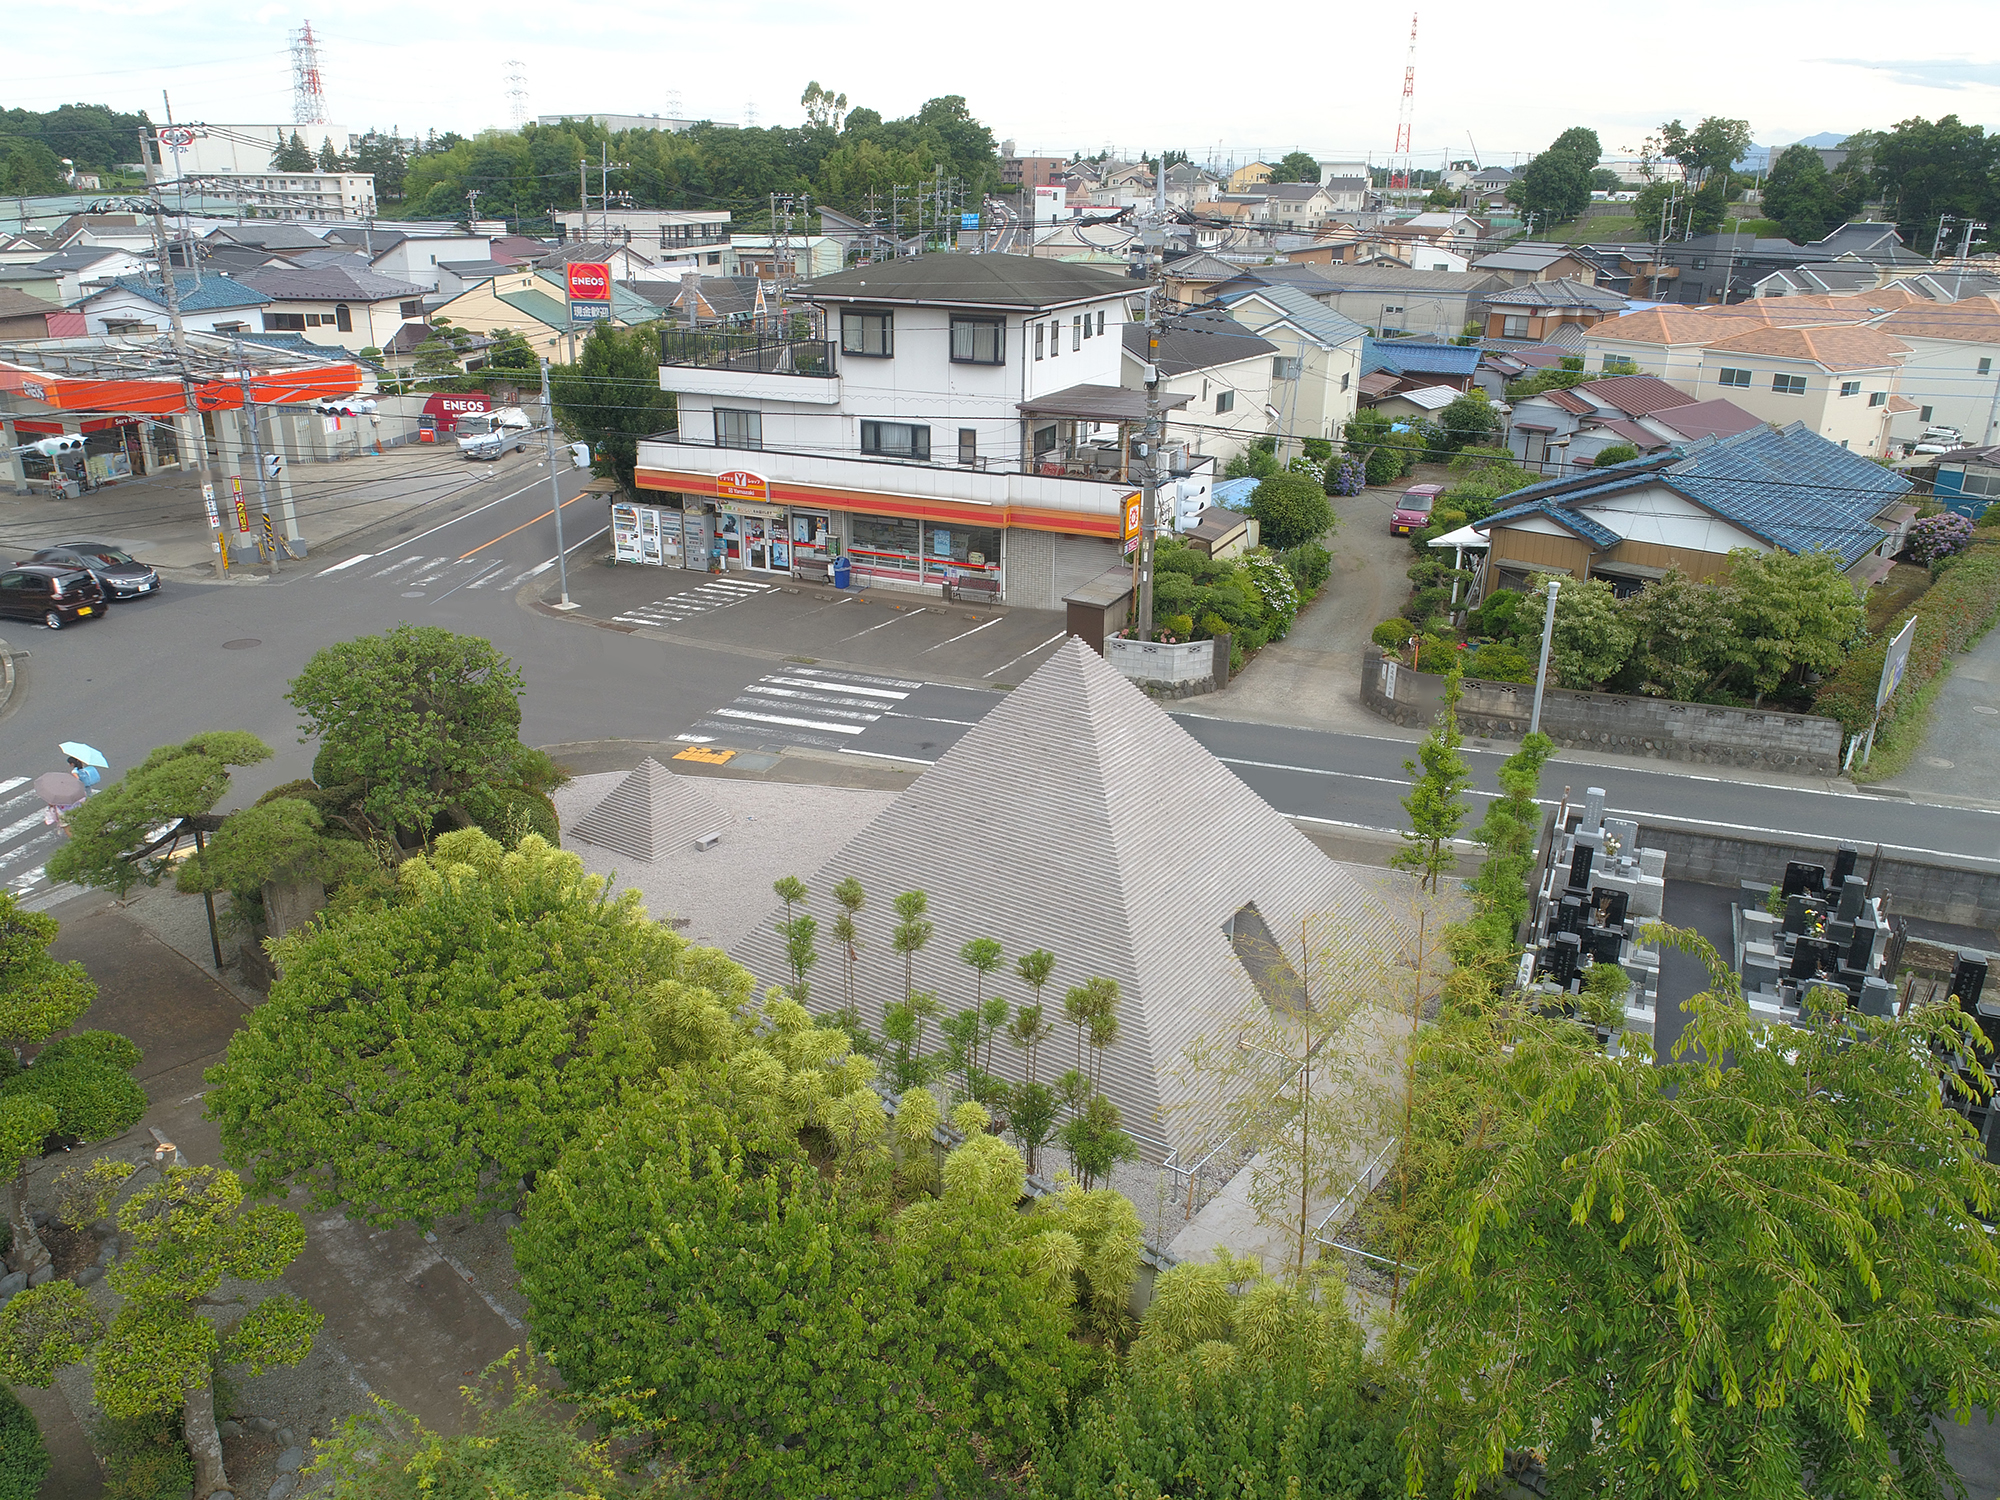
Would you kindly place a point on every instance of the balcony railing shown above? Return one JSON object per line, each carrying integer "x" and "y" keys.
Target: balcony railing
{"x": 750, "y": 352}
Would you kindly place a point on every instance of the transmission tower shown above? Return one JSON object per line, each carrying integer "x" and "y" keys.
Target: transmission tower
{"x": 674, "y": 105}
{"x": 750, "y": 115}
{"x": 1399, "y": 159}
{"x": 517, "y": 91}
{"x": 308, "y": 83}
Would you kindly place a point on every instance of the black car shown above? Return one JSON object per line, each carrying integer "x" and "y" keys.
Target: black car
{"x": 53, "y": 595}
{"x": 122, "y": 575}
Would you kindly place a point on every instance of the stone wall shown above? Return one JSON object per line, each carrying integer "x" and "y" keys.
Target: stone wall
{"x": 1180, "y": 670}
{"x": 1698, "y": 733}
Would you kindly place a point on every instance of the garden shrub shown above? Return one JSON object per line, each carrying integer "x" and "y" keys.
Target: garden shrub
{"x": 1320, "y": 450}
{"x": 1937, "y": 537}
{"x": 1291, "y": 509}
{"x": 1617, "y": 453}
{"x": 1212, "y": 626}
{"x": 23, "y": 1458}
{"x": 86, "y": 1080}
{"x": 1280, "y": 593}
{"x": 1427, "y": 601}
{"x": 1171, "y": 591}
{"x": 1496, "y": 662}
{"x": 144, "y": 1458}
{"x": 1392, "y": 634}
{"x": 1180, "y": 627}
{"x": 1310, "y": 565}
{"x": 1956, "y": 611}
{"x": 1497, "y": 616}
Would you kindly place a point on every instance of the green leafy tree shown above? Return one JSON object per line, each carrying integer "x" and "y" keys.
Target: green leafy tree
{"x": 799, "y": 933}
{"x": 1096, "y": 1140}
{"x": 1436, "y": 805}
{"x": 912, "y": 931}
{"x": 1800, "y": 194}
{"x": 388, "y": 159}
{"x": 1789, "y": 614}
{"x": 851, "y": 898}
{"x": 458, "y": 1037}
{"x": 1290, "y": 509}
{"x": 509, "y": 350}
{"x": 516, "y": 1444}
{"x": 416, "y": 727}
{"x": 175, "y": 785}
{"x": 1681, "y": 636}
{"x": 1469, "y": 421}
{"x": 293, "y": 156}
{"x": 611, "y": 397}
{"x": 1296, "y": 166}
{"x": 1555, "y": 186}
{"x": 189, "y": 1231}
{"x": 824, "y": 108}
{"x": 1442, "y": 198}
{"x": 1593, "y": 637}
{"x": 1926, "y": 169}
{"x": 1682, "y": 1277}
{"x": 328, "y": 159}
{"x": 1706, "y": 151}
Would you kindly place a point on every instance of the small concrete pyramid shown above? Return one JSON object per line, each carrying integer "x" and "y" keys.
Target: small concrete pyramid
{"x": 1078, "y": 817}
{"x": 651, "y": 812}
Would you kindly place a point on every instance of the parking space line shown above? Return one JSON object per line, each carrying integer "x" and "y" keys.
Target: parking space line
{"x": 974, "y": 631}
{"x": 739, "y": 713}
{"x": 1026, "y": 654}
{"x": 909, "y": 615}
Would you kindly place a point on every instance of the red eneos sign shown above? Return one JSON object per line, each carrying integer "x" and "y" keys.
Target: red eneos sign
{"x": 589, "y": 281}
{"x": 445, "y": 408}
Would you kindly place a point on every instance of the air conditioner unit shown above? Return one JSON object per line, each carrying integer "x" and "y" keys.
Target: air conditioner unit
{"x": 1174, "y": 458}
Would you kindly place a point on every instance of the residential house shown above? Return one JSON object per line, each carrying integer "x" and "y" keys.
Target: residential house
{"x": 1953, "y": 368}
{"x": 354, "y": 309}
{"x": 1819, "y": 279}
{"x": 685, "y": 236}
{"x": 1347, "y": 191}
{"x": 1316, "y": 373}
{"x": 1967, "y": 480}
{"x": 121, "y": 231}
{"x": 1836, "y": 380}
{"x": 803, "y": 257}
{"x": 1662, "y": 341}
{"x": 533, "y": 301}
{"x": 961, "y": 422}
{"x": 698, "y": 301}
{"x": 1419, "y": 363}
{"x": 1029, "y": 172}
{"x": 83, "y": 268}
{"x": 1249, "y": 175}
{"x": 627, "y": 262}
{"x": 209, "y": 303}
{"x": 1529, "y": 261}
{"x": 23, "y": 318}
{"x": 1397, "y": 303}
{"x": 1718, "y": 268}
{"x": 1410, "y": 402}
{"x": 38, "y": 282}
{"x": 1224, "y": 371}
{"x": 1290, "y": 205}
{"x": 1500, "y": 366}
{"x": 1629, "y": 270}
{"x": 1560, "y": 431}
{"x": 1767, "y": 490}
{"x": 1490, "y": 186}
{"x": 419, "y": 259}
{"x": 1419, "y": 248}
{"x": 1536, "y": 309}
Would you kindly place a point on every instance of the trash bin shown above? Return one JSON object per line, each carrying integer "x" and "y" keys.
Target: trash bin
{"x": 843, "y": 569}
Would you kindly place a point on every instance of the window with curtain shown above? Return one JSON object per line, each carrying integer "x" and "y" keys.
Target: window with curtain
{"x": 869, "y": 334}
{"x": 978, "y": 341}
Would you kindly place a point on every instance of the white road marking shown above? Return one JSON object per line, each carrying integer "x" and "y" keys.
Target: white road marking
{"x": 828, "y": 680}
{"x": 12, "y": 782}
{"x": 738, "y": 713}
{"x": 342, "y": 567}
{"x": 520, "y": 578}
{"x": 14, "y": 828}
{"x": 491, "y": 572}
{"x": 398, "y": 567}
{"x": 908, "y": 615}
{"x": 974, "y": 631}
{"x": 1025, "y": 655}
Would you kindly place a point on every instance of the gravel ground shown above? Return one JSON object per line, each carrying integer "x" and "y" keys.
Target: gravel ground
{"x": 770, "y": 830}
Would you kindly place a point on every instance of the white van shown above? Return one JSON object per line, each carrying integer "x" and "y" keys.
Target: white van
{"x": 488, "y": 434}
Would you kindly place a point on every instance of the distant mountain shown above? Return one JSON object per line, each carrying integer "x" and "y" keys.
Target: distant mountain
{"x": 1759, "y": 158}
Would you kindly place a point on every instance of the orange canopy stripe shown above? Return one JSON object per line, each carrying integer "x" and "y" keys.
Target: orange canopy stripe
{"x": 957, "y": 513}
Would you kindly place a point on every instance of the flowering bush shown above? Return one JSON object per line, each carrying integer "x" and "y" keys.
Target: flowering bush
{"x": 1311, "y": 468}
{"x": 1279, "y": 590}
{"x": 1346, "y": 476}
{"x": 1939, "y": 536}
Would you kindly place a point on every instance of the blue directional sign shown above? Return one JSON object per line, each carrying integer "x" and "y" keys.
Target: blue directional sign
{"x": 968, "y": 221}
{"x": 586, "y": 312}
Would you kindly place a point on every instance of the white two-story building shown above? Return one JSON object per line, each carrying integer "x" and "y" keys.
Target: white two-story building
{"x": 952, "y": 421}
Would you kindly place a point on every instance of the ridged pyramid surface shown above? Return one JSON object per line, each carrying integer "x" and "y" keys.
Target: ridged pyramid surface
{"x": 650, "y": 812}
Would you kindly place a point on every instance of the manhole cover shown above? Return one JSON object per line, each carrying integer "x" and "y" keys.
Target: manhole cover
{"x": 413, "y": 593}
{"x": 1939, "y": 761}
{"x": 1981, "y": 708}
{"x": 243, "y": 645}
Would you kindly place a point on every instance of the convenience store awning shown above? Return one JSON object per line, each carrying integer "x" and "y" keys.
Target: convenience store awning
{"x": 151, "y": 377}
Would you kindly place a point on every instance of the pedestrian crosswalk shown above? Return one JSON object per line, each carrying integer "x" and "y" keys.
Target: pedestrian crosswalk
{"x": 717, "y": 593}
{"x": 807, "y": 706}
{"x": 26, "y": 842}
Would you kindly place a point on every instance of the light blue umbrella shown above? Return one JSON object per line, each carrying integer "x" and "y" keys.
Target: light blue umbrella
{"x": 77, "y": 750}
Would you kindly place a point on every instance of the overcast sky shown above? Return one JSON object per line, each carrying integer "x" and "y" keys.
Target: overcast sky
{"x": 1050, "y": 74}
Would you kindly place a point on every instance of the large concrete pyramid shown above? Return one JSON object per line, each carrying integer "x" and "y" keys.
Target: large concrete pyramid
{"x": 650, "y": 812}
{"x": 1079, "y": 818}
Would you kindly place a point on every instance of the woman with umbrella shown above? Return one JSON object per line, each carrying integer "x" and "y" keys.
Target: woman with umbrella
{"x": 62, "y": 793}
{"x": 84, "y": 763}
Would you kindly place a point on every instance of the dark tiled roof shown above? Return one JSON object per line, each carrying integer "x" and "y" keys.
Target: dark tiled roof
{"x": 972, "y": 281}
{"x": 1793, "y": 489}
{"x": 336, "y": 283}
{"x": 1198, "y": 343}
{"x": 215, "y": 292}
{"x": 80, "y": 257}
{"x": 1565, "y": 294}
{"x": 270, "y": 236}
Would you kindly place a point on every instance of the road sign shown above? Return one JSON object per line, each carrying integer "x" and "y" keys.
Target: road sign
{"x": 589, "y": 312}
{"x": 968, "y": 221}
{"x": 177, "y": 137}
{"x": 242, "y": 515}
{"x": 1895, "y": 662}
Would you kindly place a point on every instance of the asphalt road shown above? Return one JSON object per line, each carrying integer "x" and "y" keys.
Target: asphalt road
{"x": 201, "y": 656}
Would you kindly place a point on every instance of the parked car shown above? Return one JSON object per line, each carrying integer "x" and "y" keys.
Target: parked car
{"x": 118, "y": 572}
{"x": 1939, "y": 445}
{"x": 55, "y": 596}
{"x": 1942, "y": 433}
{"x": 1413, "y": 511}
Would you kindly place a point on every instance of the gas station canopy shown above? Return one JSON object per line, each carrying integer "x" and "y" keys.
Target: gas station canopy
{"x": 151, "y": 377}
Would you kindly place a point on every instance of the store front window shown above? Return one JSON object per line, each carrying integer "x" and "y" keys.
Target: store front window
{"x": 887, "y": 547}
{"x": 954, "y": 553}
{"x": 812, "y": 537}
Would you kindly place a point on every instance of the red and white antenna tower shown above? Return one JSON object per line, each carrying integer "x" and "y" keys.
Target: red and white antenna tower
{"x": 1399, "y": 159}
{"x": 308, "y": 88}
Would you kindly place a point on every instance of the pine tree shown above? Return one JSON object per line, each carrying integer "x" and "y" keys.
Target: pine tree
{"x": 1435, "y": 802}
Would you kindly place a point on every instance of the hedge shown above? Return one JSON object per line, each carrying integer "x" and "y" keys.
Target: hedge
{"x": 23, "y": 1459}
{"x": 84, "y": 1078}
{"x": 1952, "y": 614}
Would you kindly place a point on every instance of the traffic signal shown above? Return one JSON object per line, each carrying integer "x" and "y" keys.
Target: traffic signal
{"x": 274, "y": 465}
{"x": 51, "y": 447}
{"x": 579, "y": 455}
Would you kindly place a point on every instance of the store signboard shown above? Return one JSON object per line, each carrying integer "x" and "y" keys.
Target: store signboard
{"x": 589, "y": 290}
{"x": 1131, "y": 523}
{"x": 1895, "y": 663}
{"x": 741, "y": 484}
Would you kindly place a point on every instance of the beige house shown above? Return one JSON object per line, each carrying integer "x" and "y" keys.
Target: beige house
{"x": 533, "y": 302}
{"x": 1248, "y": 176}
{"x": 1835, "y": 380}
{"x": 334, "y": 304}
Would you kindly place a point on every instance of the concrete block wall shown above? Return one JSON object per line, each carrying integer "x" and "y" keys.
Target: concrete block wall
{"x": 1182, "y": 670}
{"x": 1697, "y": 733}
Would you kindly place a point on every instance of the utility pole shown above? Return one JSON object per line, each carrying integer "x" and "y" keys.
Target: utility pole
{"x": 196, "y": 438}
{"x": 583, "y": 198}
{"x": 1153, "y": 231}
{"x": 257, "y": 455}
{"x": 1542, "y": 672}
{"x": 555, "y": 486}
